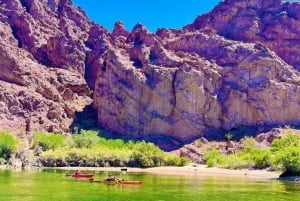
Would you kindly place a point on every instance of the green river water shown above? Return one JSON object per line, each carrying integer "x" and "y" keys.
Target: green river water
{"x": 53, "y": 185}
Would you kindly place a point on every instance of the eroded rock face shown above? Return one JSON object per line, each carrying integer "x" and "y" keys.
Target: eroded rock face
{"x": 34, "y": 97}
{"x": 273, "y": 23}
{"x": 235, "y": 66}
{"x": 213, "y": 75}
{"x": 42, "y": 61}
{"x": 181, "y": 94}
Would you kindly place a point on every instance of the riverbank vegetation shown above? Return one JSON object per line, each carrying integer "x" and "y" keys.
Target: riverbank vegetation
{"x": 284, "y": 154}
{"x": 88, "y": 149}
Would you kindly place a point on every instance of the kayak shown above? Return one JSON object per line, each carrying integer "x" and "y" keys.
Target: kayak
{"x": 109, "y": 181}
{"x": 80, "y": 175}
{"x": 121, "y": 182}
{"x": 129, "y": 182}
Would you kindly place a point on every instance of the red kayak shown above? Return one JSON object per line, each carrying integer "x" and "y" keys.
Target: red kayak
{"x": 80, "y": 175}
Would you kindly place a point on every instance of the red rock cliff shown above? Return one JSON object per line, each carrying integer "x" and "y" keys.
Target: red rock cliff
{"x": 43, "y": 61}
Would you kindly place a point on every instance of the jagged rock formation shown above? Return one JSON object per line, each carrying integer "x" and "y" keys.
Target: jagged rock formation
{"x": 42, "y": 61}
{"x": 273, "y": 23}
{"x": 185, "y": 83}
{"x": 235, "y": 66}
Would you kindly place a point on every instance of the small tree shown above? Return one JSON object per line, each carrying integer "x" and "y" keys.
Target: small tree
{"x": 228, "y": 136}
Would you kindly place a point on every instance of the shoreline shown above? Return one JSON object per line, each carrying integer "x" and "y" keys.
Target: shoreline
{"x": 199, "y": 171}
{"x": 190, "y": 170}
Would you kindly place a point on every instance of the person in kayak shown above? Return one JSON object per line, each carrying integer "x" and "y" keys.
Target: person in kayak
{"x": 111, "y": 178}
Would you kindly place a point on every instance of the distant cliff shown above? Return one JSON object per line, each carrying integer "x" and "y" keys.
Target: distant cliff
{"x": 236, "y": 66}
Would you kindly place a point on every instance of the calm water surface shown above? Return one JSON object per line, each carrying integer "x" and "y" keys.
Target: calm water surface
{"x": 52, "y": 185}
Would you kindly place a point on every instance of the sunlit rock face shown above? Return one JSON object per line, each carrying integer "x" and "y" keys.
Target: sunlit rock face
{"x": 183, "y": 83}
{"x": 236, "y": 66}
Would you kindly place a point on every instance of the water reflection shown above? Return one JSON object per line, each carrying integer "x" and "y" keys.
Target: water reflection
{"x": 45, "y": 185}
{"x": 290, "y": 186}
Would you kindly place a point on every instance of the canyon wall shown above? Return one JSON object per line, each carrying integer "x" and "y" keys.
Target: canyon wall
{"x": 236, "y": 66}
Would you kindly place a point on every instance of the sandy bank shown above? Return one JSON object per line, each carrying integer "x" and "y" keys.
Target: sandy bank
{"x": 199, "y": 170}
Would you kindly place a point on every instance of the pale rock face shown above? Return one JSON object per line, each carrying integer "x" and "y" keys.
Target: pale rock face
{"x": 216, "y": 74}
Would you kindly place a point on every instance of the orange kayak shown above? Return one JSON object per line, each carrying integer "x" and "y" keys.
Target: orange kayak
{"x": 129, "y": 182}
{"x": 110, "y": 181}
{"x": 121, "y": 182}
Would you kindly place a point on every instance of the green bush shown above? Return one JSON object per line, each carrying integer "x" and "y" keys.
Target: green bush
{"x": 175, "y": 161}
{"x": 248, "y": 141}
{"x": 143, "y": 160}
{"x": 213, "y": 158}
{"x": 235, "y": 161}
{"x": 259, "y": 157}
{"x": 288, "y": 159}
{"x": 48, "y": 140}
{"x": 86, "y": 139}
{"x": 286, "y": 154}
{"x": 286, "y": 141}
{"x": 115, "y": 143}
{"x": 250, "y": 157}
{"x": 8, "y": 144}
{"x": 147, "y": 154}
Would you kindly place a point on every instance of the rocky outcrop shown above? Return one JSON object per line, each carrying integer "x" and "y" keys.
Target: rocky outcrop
{"x": 192, "y": 81}
{"x": 265, "y": 139}
{"x": 273, "y": 23}
{"x": 34, "y": 97}
{"x": 234, "y": 67}
{"x": 42, "y": 61}
{"x": 211, "y": 76}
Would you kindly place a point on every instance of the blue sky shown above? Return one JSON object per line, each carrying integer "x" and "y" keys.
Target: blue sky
{"x": 152, "y": 13}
